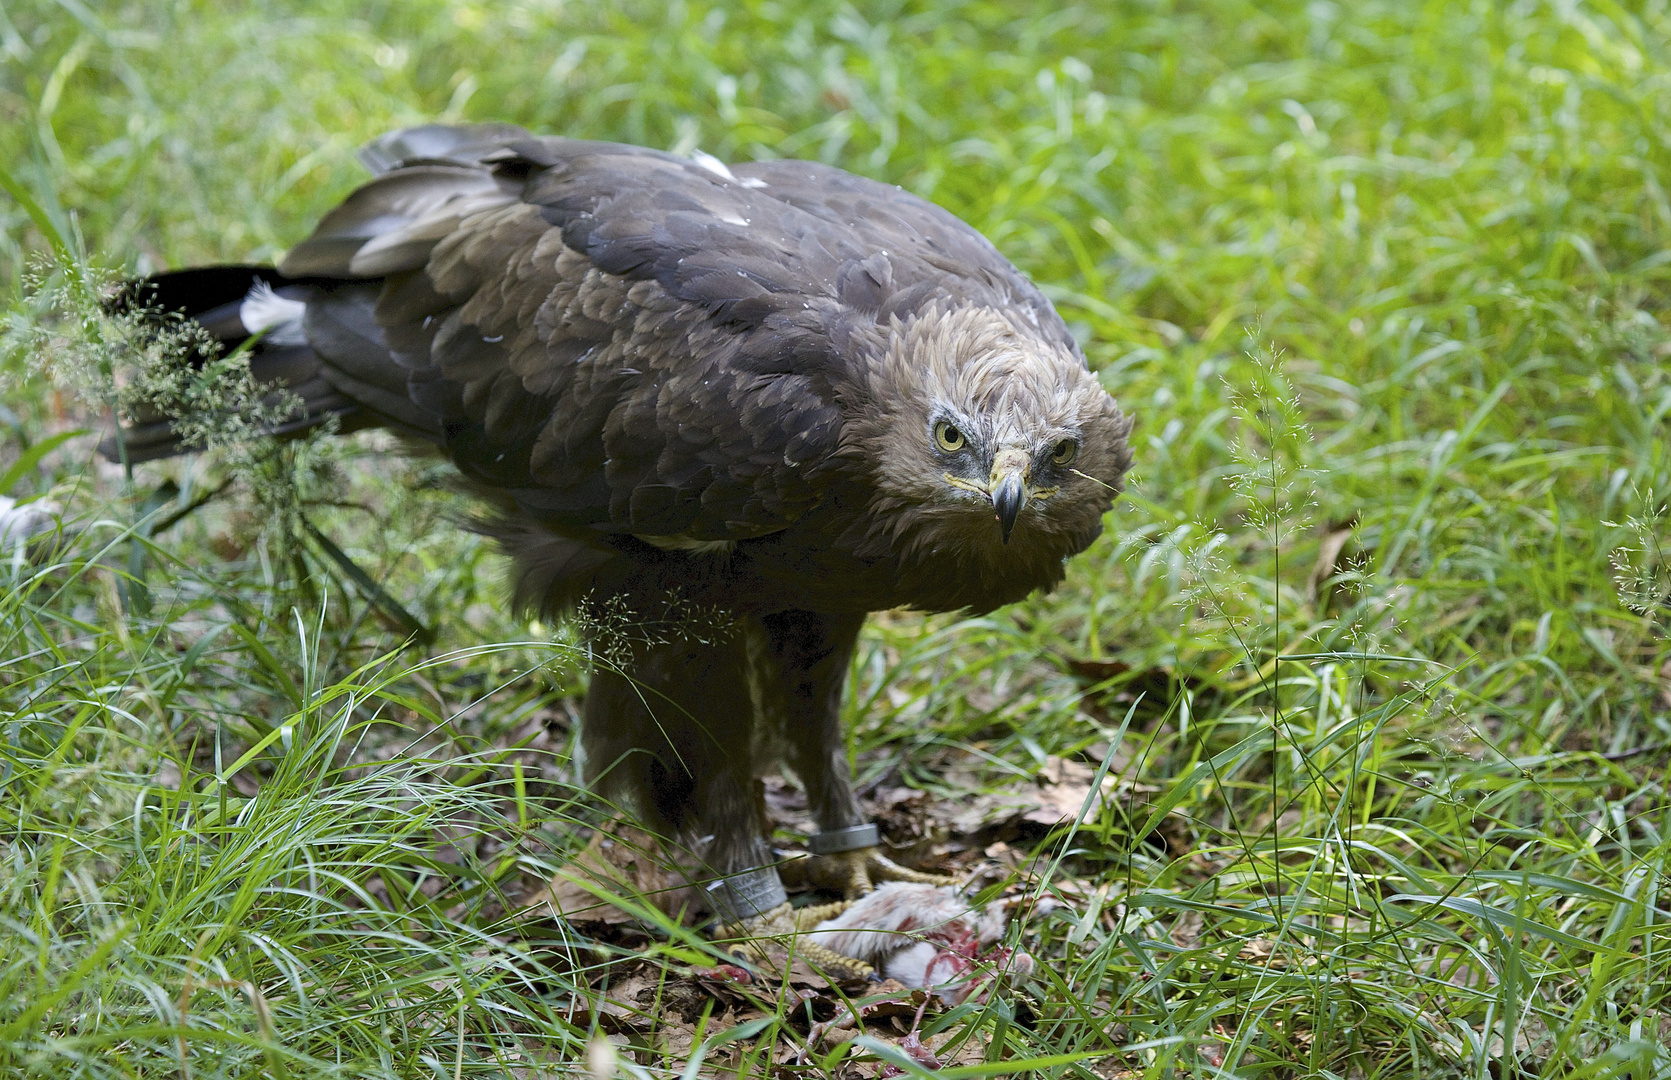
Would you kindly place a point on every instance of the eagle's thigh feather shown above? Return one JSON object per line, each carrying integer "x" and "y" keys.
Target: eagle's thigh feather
{"x": 669, "y": 735}
{"x": 798, "y": 664}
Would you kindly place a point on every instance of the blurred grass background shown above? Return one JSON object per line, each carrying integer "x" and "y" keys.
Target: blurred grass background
{"x": 1384, "y": 284}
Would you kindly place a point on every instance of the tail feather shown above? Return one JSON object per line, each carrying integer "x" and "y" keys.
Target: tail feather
{"x": 322, "y": 340}
{"x": 225, "y": 300}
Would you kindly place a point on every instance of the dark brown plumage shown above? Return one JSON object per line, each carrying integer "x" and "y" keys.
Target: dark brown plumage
{"x": 778, "y": 391}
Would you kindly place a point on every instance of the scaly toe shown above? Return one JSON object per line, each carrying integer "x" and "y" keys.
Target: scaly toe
{"x": 882, "y": 868}
{"x": 776, "y": 922}
{"x": 783, "y": 923}
{"x": 857, "y": 872}
{"x": 846, "y": 872}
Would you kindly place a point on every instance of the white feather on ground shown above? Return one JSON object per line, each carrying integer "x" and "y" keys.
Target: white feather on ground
{"x": 925, "y": 937}
{"x": 19, "y": 524}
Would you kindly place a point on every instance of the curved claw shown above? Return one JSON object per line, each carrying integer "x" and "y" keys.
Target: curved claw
{"x": 783, "y": 922}
{"x": 857, "y": 872}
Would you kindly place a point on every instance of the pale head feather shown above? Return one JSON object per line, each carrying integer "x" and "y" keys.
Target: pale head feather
{"x": 1003, "y": 386}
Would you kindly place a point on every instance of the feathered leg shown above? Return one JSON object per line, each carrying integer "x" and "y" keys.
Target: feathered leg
{"x": 800, "y": 670}
{"x": 672, "y": 737}
{"x": 675, "y": 738}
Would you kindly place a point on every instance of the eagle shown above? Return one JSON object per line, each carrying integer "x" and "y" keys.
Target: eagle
{"x": 776, "y": 395}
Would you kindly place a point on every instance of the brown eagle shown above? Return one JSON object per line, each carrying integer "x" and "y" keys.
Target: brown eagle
{"x": 776, "y": 390}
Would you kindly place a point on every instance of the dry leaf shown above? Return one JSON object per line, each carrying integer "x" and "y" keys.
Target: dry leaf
{"x": 1186, "y": 932}
{"x": 1261, "y": 951}
{"x": 620, "y": 860}
{"x": 1064, "y": 787}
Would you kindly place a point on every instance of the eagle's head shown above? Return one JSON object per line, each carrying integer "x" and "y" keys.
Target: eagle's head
{"x": 991, "y": 450}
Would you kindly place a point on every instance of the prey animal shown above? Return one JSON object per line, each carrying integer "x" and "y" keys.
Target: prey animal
{"x": 777, "y": 391}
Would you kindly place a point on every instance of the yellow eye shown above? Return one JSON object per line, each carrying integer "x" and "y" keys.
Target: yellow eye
{"x": 1065, "y": 451}
{"x": 948, "y": 438}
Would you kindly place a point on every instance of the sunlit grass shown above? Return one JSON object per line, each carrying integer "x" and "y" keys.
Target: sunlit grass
{"x": 1384, "y": 284}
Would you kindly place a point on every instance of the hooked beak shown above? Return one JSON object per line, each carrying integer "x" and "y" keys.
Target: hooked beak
{"x": 1008, "y": 487}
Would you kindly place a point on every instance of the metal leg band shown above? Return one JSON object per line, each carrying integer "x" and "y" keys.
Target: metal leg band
{"x": 835, "y": 841}
{"x": 746, "y": 895}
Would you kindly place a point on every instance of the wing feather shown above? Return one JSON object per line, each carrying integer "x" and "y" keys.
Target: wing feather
{"x": 622, "y": 339}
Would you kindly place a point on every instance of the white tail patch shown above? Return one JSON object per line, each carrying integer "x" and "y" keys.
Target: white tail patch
{"x": 264, "y": 309}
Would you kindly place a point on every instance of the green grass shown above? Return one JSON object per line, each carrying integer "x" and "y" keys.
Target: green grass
{"x": 1385, "y": 285}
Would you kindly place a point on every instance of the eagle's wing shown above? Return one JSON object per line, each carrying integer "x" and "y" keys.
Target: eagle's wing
{"x": 913, "y": 250}
{"x": 620, "y": 338}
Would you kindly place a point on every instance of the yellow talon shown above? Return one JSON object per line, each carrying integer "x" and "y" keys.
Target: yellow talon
{"x": 857, "y": 872}
{"x": 784, "y": 921}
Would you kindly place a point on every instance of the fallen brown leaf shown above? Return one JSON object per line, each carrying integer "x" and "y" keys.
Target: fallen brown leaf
{"x": 1261, "y": 951}
{"x": 620, "y": 860}
{"x": 1064, "y": 793}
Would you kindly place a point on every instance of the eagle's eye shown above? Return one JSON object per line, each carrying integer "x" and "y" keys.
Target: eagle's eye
{"x": 1064, "y": 452}
{"x": 948, "y": 438}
